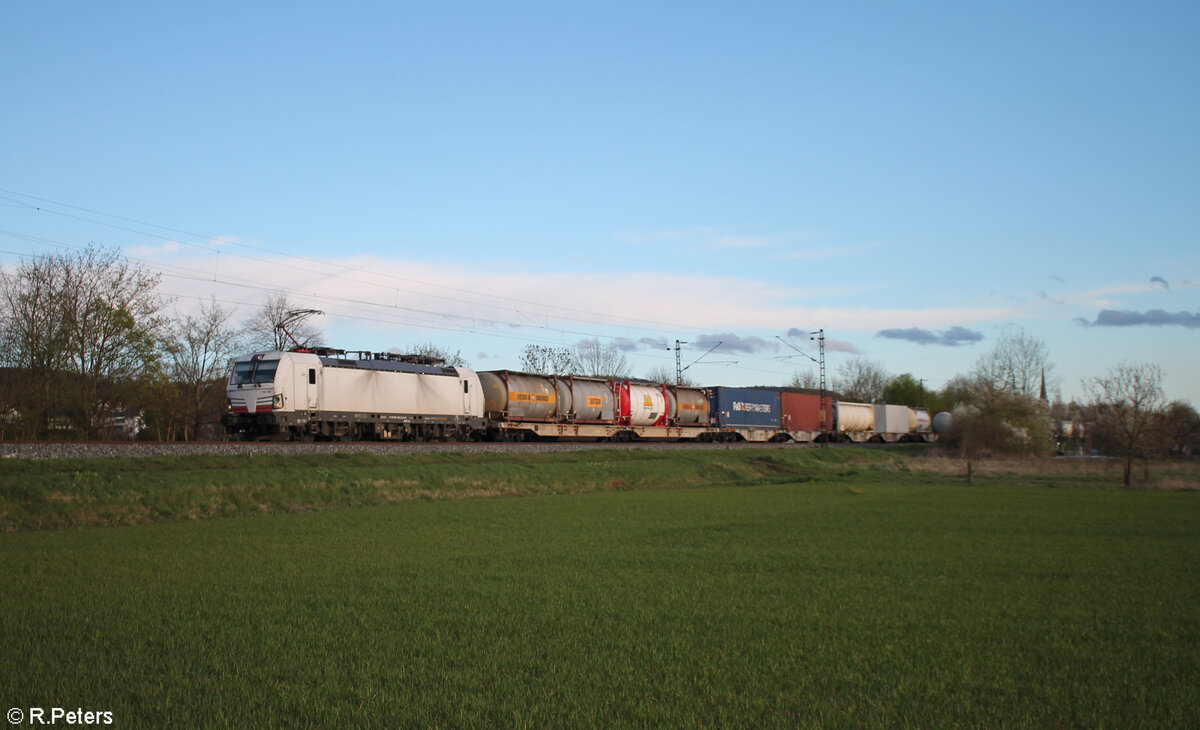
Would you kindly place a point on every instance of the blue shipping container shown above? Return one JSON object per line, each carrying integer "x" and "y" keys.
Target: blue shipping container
{"x": 744, "y": 407}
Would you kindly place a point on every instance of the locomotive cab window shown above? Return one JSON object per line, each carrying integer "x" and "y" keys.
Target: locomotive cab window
{"x": 253, "y": 372}
{"x": 242, "y": 373}
{"x": 312, "y": 376}
{"x": 466, "y": 387}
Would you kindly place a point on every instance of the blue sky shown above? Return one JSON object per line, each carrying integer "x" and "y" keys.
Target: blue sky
{"x": 914, "y": 178}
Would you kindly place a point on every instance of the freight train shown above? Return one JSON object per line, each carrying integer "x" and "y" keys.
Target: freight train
{"x": 336, "y": 395}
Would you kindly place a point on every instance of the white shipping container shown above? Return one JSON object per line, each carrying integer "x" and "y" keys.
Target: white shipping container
{"x": 891, "y": 419}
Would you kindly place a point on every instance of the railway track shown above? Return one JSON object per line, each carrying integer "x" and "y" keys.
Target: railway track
{"x": 143, "y": 449}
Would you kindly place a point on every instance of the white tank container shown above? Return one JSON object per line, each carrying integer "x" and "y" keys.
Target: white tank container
{"x": 647, "y": 404}
{"x": 854, "y": 417}
{"x": 920, "y": 420}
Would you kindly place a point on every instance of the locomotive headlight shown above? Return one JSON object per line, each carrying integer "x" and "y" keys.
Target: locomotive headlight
{"x": 278, "y": 402}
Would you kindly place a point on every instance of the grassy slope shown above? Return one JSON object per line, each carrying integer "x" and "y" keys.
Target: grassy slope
{"x": 864, "y": 596}
{"x": 105, "y": 492}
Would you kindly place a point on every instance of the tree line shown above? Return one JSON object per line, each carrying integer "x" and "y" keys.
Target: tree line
{"x": 1008, "y": 404}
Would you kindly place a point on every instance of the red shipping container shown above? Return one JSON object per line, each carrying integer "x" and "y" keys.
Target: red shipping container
{"x": 801, "y": 412}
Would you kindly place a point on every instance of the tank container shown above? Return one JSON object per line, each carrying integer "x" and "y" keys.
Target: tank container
{"x": 854, "y": 417}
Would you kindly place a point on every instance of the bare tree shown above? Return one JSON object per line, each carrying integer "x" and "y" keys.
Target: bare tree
{"x": 436, "y": 352}
{"x": 265, "y": 330}
{"x": 666, "y": 375}
{"x": 861, "y": 380}
{"x": 200, "y": 348}
{"x": 1017, "y": 364}
{"x": 547, "y": 360}
{"x": 808, "y": 380}
{"x": 600, "y": 361}
{"x": 1127, "y": 403}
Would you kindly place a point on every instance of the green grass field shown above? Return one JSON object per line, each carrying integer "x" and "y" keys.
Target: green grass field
{"x": 810, "y": 589}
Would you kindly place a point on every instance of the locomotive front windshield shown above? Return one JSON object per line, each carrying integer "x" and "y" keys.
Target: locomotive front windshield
{"x": 253, "y": 372}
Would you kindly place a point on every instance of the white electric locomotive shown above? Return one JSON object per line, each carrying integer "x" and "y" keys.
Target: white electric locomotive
{"x": 334, "y": 395}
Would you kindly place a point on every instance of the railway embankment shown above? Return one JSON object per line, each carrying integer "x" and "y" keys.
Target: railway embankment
{"x": 92, "y": 486}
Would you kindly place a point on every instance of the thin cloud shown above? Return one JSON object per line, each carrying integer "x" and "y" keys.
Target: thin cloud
{"x": 668, "y": 236}
{"x": 1151, "y": 318}
{"x": 731, "y": 342}
{"x": 827, "y": 252}
{"x": 1105, "y": 297}
{"x": 174, "y": 246}
{"x": 698, "y": 237}
{"x": 831, "y": 344}
{"x": 952, "y": 337}
{"x": 734, "y": 241}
